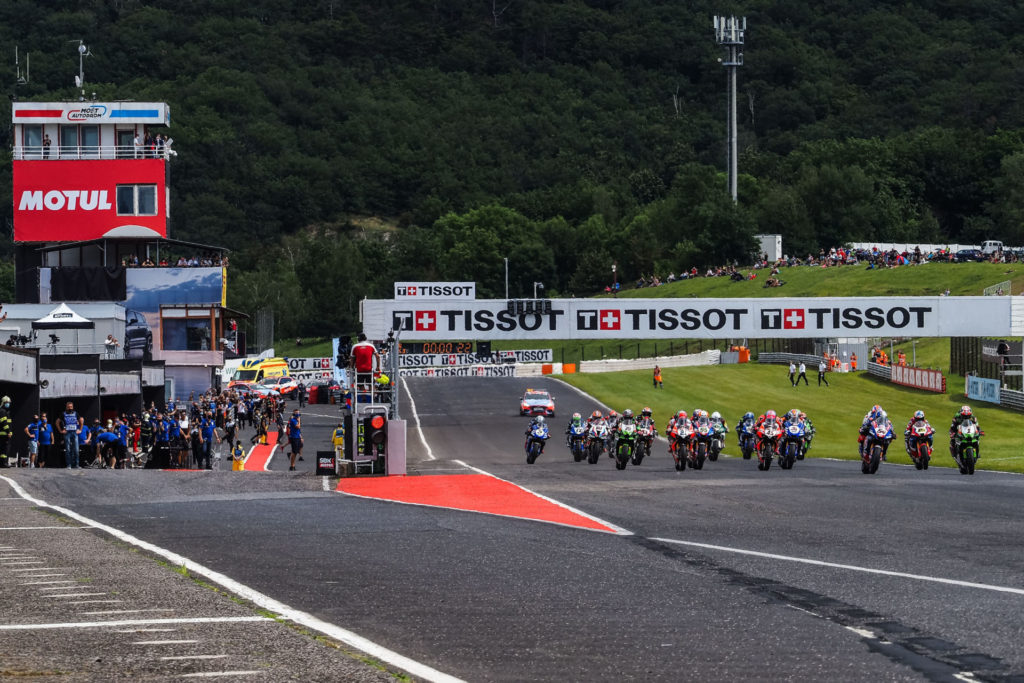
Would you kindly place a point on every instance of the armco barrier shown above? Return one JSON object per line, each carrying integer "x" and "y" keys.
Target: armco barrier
{"x": 691, "y": 360}
{"x": 879, "y": 370}
{"x": 780, "y": 358}
{"x": 1008, "y": 398}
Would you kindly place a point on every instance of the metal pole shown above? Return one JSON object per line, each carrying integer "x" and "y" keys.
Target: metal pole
{"x": 733, "y": 166}
{"x": 506, "y": 279}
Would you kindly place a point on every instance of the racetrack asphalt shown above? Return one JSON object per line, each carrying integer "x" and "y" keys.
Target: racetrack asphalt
{"x": 492, "y": 598}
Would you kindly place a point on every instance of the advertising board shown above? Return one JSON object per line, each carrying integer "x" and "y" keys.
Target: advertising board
{"x": 467, "y": 371}
{"x": 918, "y": 378}
{"x": 309, "y": 369}
{"x": 981, "y": 389}
{"x": 791, "y": 318}
{"x": 413, "y": 291}
{"x": 426, "y": 360}
{"x": 64, "y": 201}
{"x": 151, "y": 113}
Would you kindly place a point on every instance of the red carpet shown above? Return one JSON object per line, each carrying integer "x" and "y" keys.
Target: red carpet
{"x": 472, "y": 492}
{"x": 260, "y": 454}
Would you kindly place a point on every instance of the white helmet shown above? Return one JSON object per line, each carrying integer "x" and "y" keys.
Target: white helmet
{"x": 540, "y": 419}
{"x": 716, "y": 415}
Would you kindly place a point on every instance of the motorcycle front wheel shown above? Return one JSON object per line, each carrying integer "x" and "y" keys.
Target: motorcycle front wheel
{"x": 531, "y": 455}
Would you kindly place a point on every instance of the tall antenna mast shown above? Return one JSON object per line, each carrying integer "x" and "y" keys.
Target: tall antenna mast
{"x": 730, "y": 33}
{"x": 83, "y": 52}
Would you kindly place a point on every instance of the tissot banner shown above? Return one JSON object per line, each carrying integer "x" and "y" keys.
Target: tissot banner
{"x": 420, "y": 291}
{"x": 65, "y": 201}
{"x": 692, "y": 318}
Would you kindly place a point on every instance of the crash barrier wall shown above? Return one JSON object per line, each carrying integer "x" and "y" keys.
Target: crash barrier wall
{"x": 879, "y": 370}
{"x": 691, "y": 360}
{"x": 983, "y": 389}
{"x": 1008, "y": 398}
{"x": 466, "y": 371}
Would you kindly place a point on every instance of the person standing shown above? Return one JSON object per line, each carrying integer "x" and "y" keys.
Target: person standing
{"x": 853, "y": 362}
{"x": 295, "y": 438}
{"x": 821, "y": 374}
{"x": 792, "y": 373}
{"x": 45, "y": 431}
{"x": 137, "y": 144}
{"x": 32, "y": 431}
{"x": 301, "y": 391}
{"x": 69, "y": 428}
{"x": 657, "y": 377}
{"x": 46, "y": 146}
{"x": 803, "y": 374}
{"x": 5, "y": 429}
{"x": 209, "y": 433}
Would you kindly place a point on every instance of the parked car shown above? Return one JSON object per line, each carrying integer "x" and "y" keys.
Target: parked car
{"x": 965, "y": 255}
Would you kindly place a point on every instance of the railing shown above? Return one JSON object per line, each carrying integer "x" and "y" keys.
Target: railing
{"x": 38, "y": 152}
{"x": 63, "y": 349}
{"x": 780, "y": 358}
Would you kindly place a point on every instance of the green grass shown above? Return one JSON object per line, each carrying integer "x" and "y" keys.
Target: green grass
{"x": 312, "y": 347}
{"x": 962, "y": 279}
{"x": 836, "y": 411}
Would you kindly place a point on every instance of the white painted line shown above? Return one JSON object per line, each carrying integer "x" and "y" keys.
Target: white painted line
{"x": 863, "y": 633}
{"x": 40, "y": 583}
{"x": 851, "y": 567}
{"x": 125, "y": 611}
{"x": 58, "y": 588}
{"x": 14, "y": 562}
{"x": 30, "y": 569}
{"x": 618, "y": 530}
{"x": 144, "y": 630}
{"x": 44, "y": 576}
{"x": 216, "y": 674}
{"x": 266, "y": 465}
{"x": 164, "y": 642}
{"x": 178, "y": 657}
{"x": 74, "y": 595}
{"x": 350, "y": 638}
{"x": 326, "y": 484}
{"x": 131, "y": 622}
{"x": 35, "y": 528}
{"x": 416, "y": 417}
{"x": 91, "y": 602}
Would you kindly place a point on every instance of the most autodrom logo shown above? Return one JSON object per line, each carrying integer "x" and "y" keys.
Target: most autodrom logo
{"x": 96, "y": 111}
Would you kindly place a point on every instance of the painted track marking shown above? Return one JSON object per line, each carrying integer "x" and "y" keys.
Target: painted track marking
{"x": 338, "y": 633}
{"x": 416, "y": 417}
{"x": 850, "y": 567}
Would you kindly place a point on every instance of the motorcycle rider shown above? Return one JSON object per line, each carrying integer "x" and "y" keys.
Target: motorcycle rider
{"x": 576, "y": 421}
{"x": 535, "y": 422}
{"x": 865, "y": 428}
{"x": 919, "y": 415}
{"x": 679, "y": 419}
{"x": 809, "y": 430}
{"x": 873, "y": 414}
{"x": 769, "y": 416}
{"x": 964, "y": 415}
{"x": 720, "y": 425}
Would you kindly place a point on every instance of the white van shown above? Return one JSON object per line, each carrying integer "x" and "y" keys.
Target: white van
{"x": 991, "y": 247}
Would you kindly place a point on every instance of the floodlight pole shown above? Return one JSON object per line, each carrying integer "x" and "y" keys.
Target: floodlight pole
{"x": 730, "y": 33}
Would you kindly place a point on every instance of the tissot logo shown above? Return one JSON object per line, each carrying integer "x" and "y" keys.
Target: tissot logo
{"x": 771, "y": 318}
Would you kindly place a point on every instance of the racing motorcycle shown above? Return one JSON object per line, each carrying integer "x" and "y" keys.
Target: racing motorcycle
{"x": 645, "y": 432}
{"x": 965, "y": 446}
{"x": 596, "y": 438}
{"x": 918, "y": 446}
{"x": 876, "y": 443}
{"x": 770, "y": 434}
{"x": 747, "y": 438}
{"x": 535, "y": 442}
{"x": 703, "y": 433}
{"x": 793, "y": 443}
{"x": 717, "y": 440}
{"x": 681, "y": 438}
{"x": 624, "y": 444}
{"x": 577, "y": 438}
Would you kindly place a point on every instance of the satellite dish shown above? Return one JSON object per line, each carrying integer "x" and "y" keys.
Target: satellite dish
{"x": 78, "y": 82}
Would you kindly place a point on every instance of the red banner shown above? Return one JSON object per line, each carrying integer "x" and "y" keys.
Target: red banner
{"x": 58, "y": 200}
{"x": 918, "y": 378}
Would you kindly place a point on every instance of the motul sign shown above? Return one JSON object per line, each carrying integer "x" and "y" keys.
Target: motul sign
{"x": 58, "y": 200}
{"x": 65, "y": 200}
{"x": 693, "y": 318}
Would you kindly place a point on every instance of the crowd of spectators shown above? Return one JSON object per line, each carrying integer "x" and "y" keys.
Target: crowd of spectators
{"x": 208, "y": 260}
{"x": 871, "y": 259}
{"x": 180, "y": 435}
